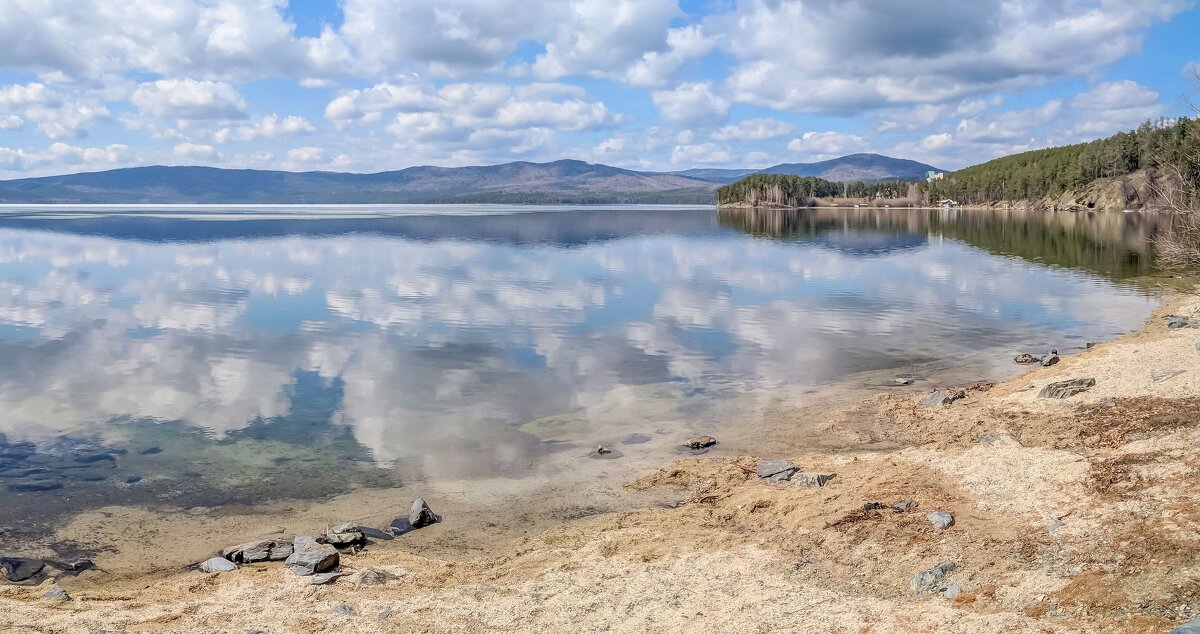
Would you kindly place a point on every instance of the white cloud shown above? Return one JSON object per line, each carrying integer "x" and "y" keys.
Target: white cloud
{"x": 684, "y": 44}
{"x": 691, "y": 103}
{"x": 1115, "y": 106}
{"x": 23, "y": 95}
{"x": 11, "y": 122}
{"x": 700, "y": 154}
{"x": 268, "y": 127}
{"x": 304, "y": 156}
{"x": 189, "y": 99}
{"x": 606, "y": 37}
{"x": 753, "y": 130}
{"x": 195, "y": 151}
{"x": 823, "y": 145}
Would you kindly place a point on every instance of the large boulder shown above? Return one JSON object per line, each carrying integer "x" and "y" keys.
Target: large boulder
{"x": 1067, "y": 389}
{"x": 262, "y": 550}
{"x": 310, "y": 557}
{"x": 420, "y": 515}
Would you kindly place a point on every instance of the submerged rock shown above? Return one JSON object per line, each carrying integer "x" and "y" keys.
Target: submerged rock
{"x": 262, "y": 550}
{"x": 902, "y": 380}
{"x": 636, "y": 439}
{"x": 217, "y": 564}
{"x": 932, "y": 579}
{"x": 1026, "y": 359}
{"x": 311, "y": 557}
{"x": 1067, "y": 389}
{"x": 19, "y": 568}
{"x": 344, "y": 534}
{"x": 420, "y": 515}
{"x": 944, "y": 397}
{"x": 811, "y": 480}
{"x": 941, "y": 519}
{"x": 33, "y": 486}
{"x": 700, "y": 442}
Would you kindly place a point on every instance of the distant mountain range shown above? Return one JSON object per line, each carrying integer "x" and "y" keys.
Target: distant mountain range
{"x": 566, "y": 181}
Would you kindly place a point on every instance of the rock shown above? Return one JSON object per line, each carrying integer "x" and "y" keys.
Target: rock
{"x": 420, "y": 515}
{"x": 902, "y": 380}
{"x": 262, "y": 550}
{"x": 1191, "y": 627}
{"x": 374, "y": 577}
{"x": 1198, "y": 345}
{"x": 1175, "y": 322}
{"x": 1066, "y": 389}
{"x": 905, "y": 506}
{"x": 944, "y": 397}
{"x": 57, "y": 594}
{"x": 385, "y": 614}
{"x": 326, "y": 577}
{"x": 700, "y": 442}
{"x": 941, "y": 519}
{"x": 151, "y": 451}
{"x": 1054, "y": 527}
{"x": 343, "y": 609}
{"x": 309, "y": 557}
{"x": 217, "y": 564}
{"x": 73, "y": 567}
{"x": 953, "y": 590}
{"x": 932, "y": 579}
{"x": 19, "y": 568}
{"x": 33, "y": 486}
{"x": 1026, "y": 359}
{"x": 344, "y": 534}
{"x": 636, "y": 439}
{"x": 768, "y": 468}
{"x": 603, "y": 450}
{"x": 1049, "y": 359}
{"x": 1090, "y": 345}
{"x": 811, "y": 480}
{"x": 133, "y": 479}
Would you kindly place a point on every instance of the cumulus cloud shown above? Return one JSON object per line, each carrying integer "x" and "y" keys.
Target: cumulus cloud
{"x": 753, "y": 130}
{"x": 268, "y": 127}
{"x": 823, "y": 145}
{"x": 189, "y": 99}
{"x": 607, "y": 37}
{"x": 692, "y": 103}
{"x": 195, "y": 152}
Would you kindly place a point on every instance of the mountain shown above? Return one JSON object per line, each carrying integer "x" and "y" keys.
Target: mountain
{"x": 565, "y": 181}
{"x": 722, "y": 176}
{"x": 857, "y": 167}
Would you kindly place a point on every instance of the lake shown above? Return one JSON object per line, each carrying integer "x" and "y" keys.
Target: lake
{"x": 204, "y": 357}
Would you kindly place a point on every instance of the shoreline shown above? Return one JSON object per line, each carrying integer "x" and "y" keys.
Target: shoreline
{"x": 712, "y": 546}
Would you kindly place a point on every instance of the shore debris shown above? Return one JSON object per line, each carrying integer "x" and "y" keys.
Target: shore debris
{"x": 1067, "y": 389}
{"x": 700, "y": 442}
{"x": 932, "y": 579}
{"x": 217, "y": 564}
{"x": 941, "y": 519}
{"x": 310, "y": 557}
{"x": 944, "y": 397}
{"x": 811, "y": 480}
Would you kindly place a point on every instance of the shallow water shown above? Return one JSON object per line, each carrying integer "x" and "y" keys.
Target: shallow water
{"x": 218, "y": 356}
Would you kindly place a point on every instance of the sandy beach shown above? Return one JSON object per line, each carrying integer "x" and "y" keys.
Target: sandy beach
{"x": 1070, "y": 515}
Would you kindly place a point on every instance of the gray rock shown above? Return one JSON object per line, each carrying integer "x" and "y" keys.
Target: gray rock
{"x": 943, "y": 397}
{"x": 343, "y": 609}
{"x": 217, "y": 564}
{"x": 35, "y": 486}
{"x": 932, "y": 579}
{"x": 768, "y": 468}
{"x": 327, "y": 577}
{"x": 19, "y": 568}
{"x": 700, "y": 442}
{"x": 385, "y": 614}
{"x": 1049, "y": 359}
{"x": 601, "y": 450}
{"x": 57, "y": 594}
{"x": 902, "y": 380}
{"x": 374, "y": 577}
{"x": 309, "y": 557}
{"x": 1175, "y": 322}
{"x": 941, "y": 519}
{"x": 344, "y": 534}
{"x": 905, "y": 506}
{"x": 420, "y": 515}
{"x": 811, "y": 480}
{"x": 1198, "y": 345}
{"x": 953, "y": 590}
{"x": 1191, "y": 627}
{"x": 1066, "y": 389}
{"x": 1054, "y": 527}
{"x": 262, "y": 550}
{"x": 1026, "y": 359}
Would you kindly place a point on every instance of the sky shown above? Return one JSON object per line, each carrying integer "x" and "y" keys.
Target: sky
{"x": 375, "y": 85}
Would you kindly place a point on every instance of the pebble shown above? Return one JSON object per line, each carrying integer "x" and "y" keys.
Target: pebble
{"x": 57, "y": 594}
{"x": 344, "y": 609}
{"x": 941, "y": 519}
{"x": 217, "y": 564}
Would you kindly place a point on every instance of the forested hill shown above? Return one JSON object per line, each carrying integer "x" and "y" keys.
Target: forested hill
{"x": 1161, "y": 147}
{"x": 787, "y": 190}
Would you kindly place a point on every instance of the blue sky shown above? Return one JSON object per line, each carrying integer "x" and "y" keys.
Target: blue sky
{"x": 371, "y": 85}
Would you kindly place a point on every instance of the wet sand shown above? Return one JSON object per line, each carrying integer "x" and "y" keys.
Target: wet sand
{"x": 1073, "y": 515}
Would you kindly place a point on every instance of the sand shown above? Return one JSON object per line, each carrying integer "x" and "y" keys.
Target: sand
{"x": 1079, "y": 515}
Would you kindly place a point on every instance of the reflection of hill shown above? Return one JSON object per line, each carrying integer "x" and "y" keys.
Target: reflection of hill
{"x": 1117, "y": 246}
{"x": 850, "y": 232}
{"x": 565, "y": 227}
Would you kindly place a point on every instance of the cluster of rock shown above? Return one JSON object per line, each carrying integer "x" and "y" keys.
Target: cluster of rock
{"x": 319, "y": 556}
{"x": 1046, "y": 360}
{"x": 776, "y": 471}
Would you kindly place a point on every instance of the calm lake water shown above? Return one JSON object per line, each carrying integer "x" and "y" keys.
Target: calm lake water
{"x": 216, "y": 356}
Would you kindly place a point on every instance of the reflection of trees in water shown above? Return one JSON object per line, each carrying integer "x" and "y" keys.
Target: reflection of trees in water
{"x": 1118, "y": 246}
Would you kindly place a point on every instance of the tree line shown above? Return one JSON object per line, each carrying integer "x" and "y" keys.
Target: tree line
{"x": 1169, "y": 146}
{"x": 787, "y": 190}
